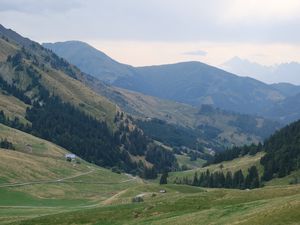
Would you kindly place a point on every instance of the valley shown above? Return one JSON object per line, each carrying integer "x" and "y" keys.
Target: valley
{"x": 85, "y": 139}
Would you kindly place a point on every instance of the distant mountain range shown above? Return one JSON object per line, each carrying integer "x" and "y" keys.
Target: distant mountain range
{"x": 284, "y": 72}
{"x": 193, "y": 83}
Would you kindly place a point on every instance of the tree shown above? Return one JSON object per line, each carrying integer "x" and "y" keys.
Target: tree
{"x": 164, "y": 178}
{"x": 238, "y": 179}
{"x": 195, "y": 180}
{"x": 228, "y": 180}
{"x": 252, "y": 179}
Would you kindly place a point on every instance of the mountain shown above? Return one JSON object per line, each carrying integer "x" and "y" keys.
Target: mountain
{"x": 196, "y": 83}
{"x": 213, "y": 129}
{"x": 284, "y": 72}
{"x": 185, "y": 125}
{"x": 287, "y": 89}
{"x": 46, "y": 98}
{"x": 90, "y": 60}
{"x": 192, "y": 83}
{"x": 287, "y": 110}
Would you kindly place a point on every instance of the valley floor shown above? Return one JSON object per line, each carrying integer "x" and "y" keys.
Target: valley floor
{"x": 179, "y": 205}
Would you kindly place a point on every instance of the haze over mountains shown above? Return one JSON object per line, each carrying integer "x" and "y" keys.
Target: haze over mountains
{"x": 284, "y": 72}
{"x": 192, "y": 83}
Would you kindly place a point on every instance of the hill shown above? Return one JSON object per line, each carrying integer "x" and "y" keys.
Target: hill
{"x": 58, "y": 107}
{"x": 193, "y": 83}
{"x": 90, "y": 60}
{"x": 212, "y": 127}
{"x": 279, "y": 156}
{"x": 229, "y": 128}
{"x": 282, "y": 152}
{"x": 241, "y": 163}
{"x": 287, "y": 89}
{"x": 36, "y": 174}
{"x": 55, "y": 191}
{"x": 287, "y": 110}
{"x": 196, "y": 83}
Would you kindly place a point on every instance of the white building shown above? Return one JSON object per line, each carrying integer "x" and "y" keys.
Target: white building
{"x": 70, "y": 156}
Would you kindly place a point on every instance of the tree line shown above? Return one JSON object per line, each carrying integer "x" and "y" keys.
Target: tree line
{"x": 235, "y": 152}
{"x": 14, "y": 91}
{"x": 219, "y": 179}
{"x": 282, "y": 152}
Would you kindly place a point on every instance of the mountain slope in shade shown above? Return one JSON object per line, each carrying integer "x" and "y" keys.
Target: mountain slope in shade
{"x": 287, "y": 89}
{"x": 90, "y": 60}
{"x": 196, "y": 83}
{"x": 193, "y": 83}
{"x": 207, "y": 125}
{"x": 287, "y": 110}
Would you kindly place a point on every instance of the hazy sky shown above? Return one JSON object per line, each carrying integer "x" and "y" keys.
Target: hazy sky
{"x": 145, "y": 32}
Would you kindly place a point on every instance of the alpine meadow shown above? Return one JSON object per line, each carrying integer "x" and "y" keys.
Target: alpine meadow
{"x": 149, "y": 112}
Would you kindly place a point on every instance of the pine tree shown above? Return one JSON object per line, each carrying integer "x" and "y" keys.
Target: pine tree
{"x": 164, "y": 178}
{"x": 228, "y": 180}
{"x": 238, "y": 179}
{"x": 195, "y": 180}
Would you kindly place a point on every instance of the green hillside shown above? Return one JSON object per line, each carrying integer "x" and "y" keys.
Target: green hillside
{"x": 36, "y": 174}
{"x": 54, "y": 104}
{"x": 243, "y": 163}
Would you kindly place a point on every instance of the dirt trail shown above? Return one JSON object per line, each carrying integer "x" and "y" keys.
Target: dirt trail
{"x": 110, "y": 200}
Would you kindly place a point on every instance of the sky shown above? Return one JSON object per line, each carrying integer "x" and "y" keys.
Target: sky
{"x": 148, "y": 32}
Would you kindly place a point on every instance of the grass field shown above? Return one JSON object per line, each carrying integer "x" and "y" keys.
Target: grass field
{"x": 185, "y": 160}
{"x": 180, "y": 205}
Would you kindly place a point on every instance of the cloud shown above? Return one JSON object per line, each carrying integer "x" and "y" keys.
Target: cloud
{"x": 266, "y": 10}
{"x": 196, "y": 53}
{"x": 38, "y": 7}
{"x": 231, "y": 21}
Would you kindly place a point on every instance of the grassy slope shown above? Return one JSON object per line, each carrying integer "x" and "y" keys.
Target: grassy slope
{"x": 102, "y": 197}
{"x": 242, "y": 163}
{"x": 38, "y": 160}
{"x": 185, "y": 160}
{"x": 59, "y": 83}
{"x": 6, "y": 49}
{"x": 190, "y": 205}
{"x": 13, "y": 107}
{"x": 78, "y": 94}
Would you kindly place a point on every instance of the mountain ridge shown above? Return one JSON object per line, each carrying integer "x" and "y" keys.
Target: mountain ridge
{"x": 196, "y": 83}
{"x": 88, "y": 60}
